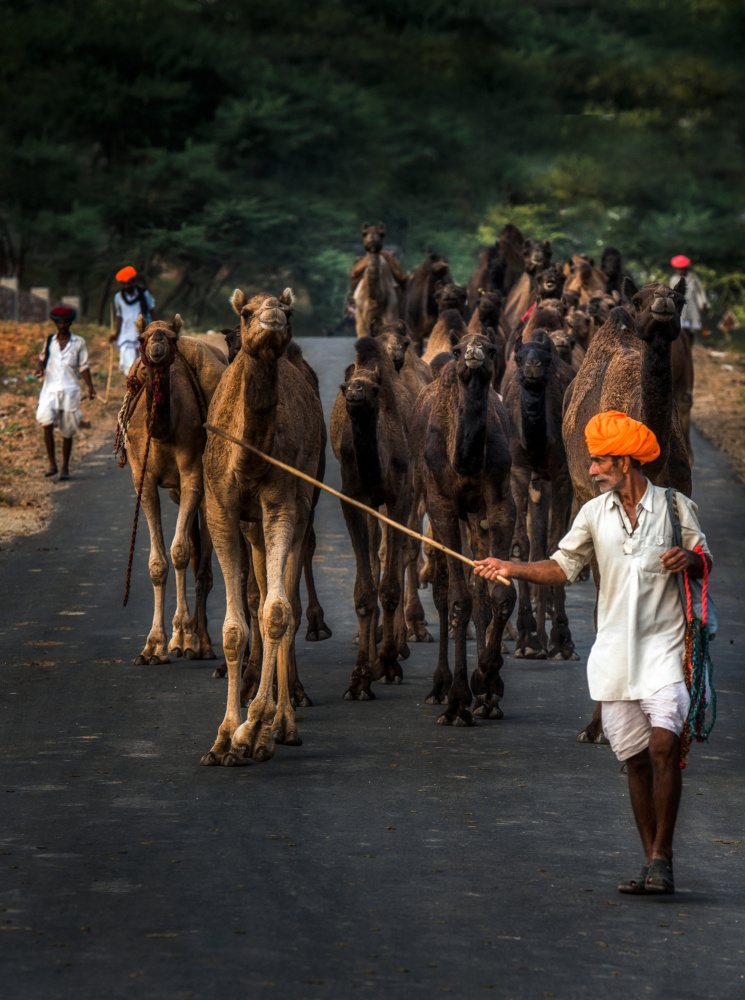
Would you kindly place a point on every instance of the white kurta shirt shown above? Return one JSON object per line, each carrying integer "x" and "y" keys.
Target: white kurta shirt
{"x": 64, "y": 367}
{"x": 129, "y": 312}
{"x": 640, "y": 642}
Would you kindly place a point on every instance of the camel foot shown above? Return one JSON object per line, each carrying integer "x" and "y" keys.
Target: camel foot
{"x": 287, "y": 735}
{"x": 359, "y": 690}
{"x": 417, "y": 632}
{"x": 211, "y": 759}
{"x": 221, "y": 671}
{"x": 318, "y": 632}
{"x": 422, "y": 585}
{"x": 301, "y": 700}
{"x": 254, "y": 739}
{"x": 191, "y": 654}
{"x": 488, "y": 710}
{"x": 388, "y": 672}
{"x": 156, "y": 661}
{"x": 559, "y": 654}
{"x": 433, "y": 699}
{"x": 175, "y": 652}
{"x": 462, "y": 718}
{"x": 593, "y": 733}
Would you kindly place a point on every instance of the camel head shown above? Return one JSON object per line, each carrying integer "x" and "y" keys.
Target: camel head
{"x": 537, "y": 255}
{"x": 158, "y": 339}
{"x": 372, "y": 237}
{"x": 362, "y": 392}
{"x": 580, "y": 323}
{"x": 564, "y": 341}
{"x": 440, "y": 266}
{"x": 550, "y": 283}
{"x": 266, "y": 329}
{"x": 611, "y": 263}
{"x": 450, "y": 296}
{"x": 544, "y": 317}
{"x": 570, "y": 299}
{"x": 489, "y": 306}
{"x": 599, "y": 307}
{"x": 656, "y": 309}
{"x": 475, "y": 356}
{"x": 533, "y": 360}
{"x": 394, "y": 338}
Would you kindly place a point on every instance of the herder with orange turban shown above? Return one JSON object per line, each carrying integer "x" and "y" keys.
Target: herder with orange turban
{"x": 635, "y": 667}
{"x": 130, "y": 302}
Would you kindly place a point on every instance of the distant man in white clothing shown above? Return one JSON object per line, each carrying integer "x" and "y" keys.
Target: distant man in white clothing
{"x": 130, "y": 302}
{"x": 64, "y": 359}
{"x": 696, "y": 304}
{"x": 635, "y": 667}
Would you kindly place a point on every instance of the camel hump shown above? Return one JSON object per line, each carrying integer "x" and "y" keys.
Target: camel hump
{"x": 204, "y": 362}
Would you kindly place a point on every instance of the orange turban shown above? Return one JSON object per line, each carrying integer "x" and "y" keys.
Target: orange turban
{"x": 126, "y": 273}
{"x": 615, "y": 433}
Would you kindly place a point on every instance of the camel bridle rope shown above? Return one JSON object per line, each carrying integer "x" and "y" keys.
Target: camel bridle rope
{"x": 343, "y": 497}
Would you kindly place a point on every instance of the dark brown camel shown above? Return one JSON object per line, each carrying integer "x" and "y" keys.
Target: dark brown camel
{"x": 420, "y": 306}
{"x": 499, "y": 266}
{"x": 460, "y": 440}
{"x": 541, "y": 486}
{"x": 537, "y": 257}
{"x": 450, "y": 326}
{"x": 369, "y": 438}
{"x": 682, "y": 358}
{"x": 264, "y": 399}
{"x": 175, "y": 406}
{"x": 628, "y": 367}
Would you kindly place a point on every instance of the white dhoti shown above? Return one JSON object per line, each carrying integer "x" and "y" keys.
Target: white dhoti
{"x": 61, "y": 408}
{"x": 128, "y": 353}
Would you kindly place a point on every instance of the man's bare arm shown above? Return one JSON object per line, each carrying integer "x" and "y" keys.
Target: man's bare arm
{"x": 547, "y": 572}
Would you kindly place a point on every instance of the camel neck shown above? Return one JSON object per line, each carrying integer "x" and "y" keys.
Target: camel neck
{"x": 260, "y": 399}
{"x": 533, "y": 423}
{"x": 365, "y": 441}
{"x": 657, "y": 390}
{"x": 161, "y": 415}
{"x": 373, "y": 275}
{"x": 470, "y": 436}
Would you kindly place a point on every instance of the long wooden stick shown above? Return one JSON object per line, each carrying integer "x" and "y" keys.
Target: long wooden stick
{"x": 342, "y": 496}
{"x": 111, "y": 359}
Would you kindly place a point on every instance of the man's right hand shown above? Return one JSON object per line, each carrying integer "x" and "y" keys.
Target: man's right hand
{"x": 112, "y": 337}
{"x": 491, "y": 568}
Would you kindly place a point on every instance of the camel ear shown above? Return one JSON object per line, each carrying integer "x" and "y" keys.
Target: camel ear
{"x": 287, "y": 298}
{"x": 381, "y": 228}
{"x": 365, "y": 227}
{"x": 237, "y": 300}
{"x": 177, "y": 324}
{"x": 491, "y": 334}
{"x": 140, "y": 324}
{"x": 628, "y": 290}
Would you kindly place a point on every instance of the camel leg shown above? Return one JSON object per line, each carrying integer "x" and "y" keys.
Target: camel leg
{"x": 478, "y": 542}
{"x": 460, "y": 603}
{"x": 298, "y": 694}
{"x": 443, "y": 677}
{"x": 486, "y": 681}
{"x": 538, "y": 524}
{"x": 365, "y": 602}
{"x": 317, "y": 627}
{"x": 416, "y": 624}
{"x": 183, "y": 641}
{"x": 284, "y": 729}
{"x": 387, "y": 669}
{"x": 155, "y": 647}
{"x": 527, "y": 644}
{"x": 561, "y": 646}
{"x": 226, "y": 535}
{"x": 201, "y": 562}
{"x": 252, "y": 665}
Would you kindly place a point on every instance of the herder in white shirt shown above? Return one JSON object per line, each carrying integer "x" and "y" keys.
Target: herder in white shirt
{"x": 130, "y": 303}
{"x": 635, "y": 667}
{"x": 64, "y": 359}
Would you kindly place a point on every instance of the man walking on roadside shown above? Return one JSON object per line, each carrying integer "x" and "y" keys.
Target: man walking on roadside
{"x": 696, "y": 304}
{"x": 130, "y": 302}
{"x": 635, "y": 667}
{"x": 64, "y": 359}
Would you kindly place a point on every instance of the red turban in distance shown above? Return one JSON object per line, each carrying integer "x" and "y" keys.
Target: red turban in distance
{"x": 680, "y": 261}
{"x": 126, "y": 273}
{"x": 616, "y": 433}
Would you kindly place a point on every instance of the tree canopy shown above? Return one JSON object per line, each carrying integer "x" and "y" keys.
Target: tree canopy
{"x": 214, "y": 143}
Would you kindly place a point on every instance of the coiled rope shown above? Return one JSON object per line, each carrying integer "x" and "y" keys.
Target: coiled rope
{"x": 698, "y": 669}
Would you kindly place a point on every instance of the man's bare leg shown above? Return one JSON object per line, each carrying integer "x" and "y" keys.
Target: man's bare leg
{"x": 654, "y": 787}
{"x": 641, "y": 793}
{"x": 66, "y": 450}
{"x": 49, "y": 443}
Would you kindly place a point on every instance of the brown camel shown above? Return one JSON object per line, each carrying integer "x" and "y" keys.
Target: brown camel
{"x": 420, "y": 305}
{"x": 176, "y": 380}
{"x": 628, "y": 367}
{"x": 450, "y": 327}
{"x": 460, "y": 440}
{"x": 485, "y": 320}
{"x": 267, "y": 401}
{"x": 499, "y": 267}
{"x": 376, "y": 282}
{"x": 368, "y": 435}
{"x": 611, "y": 264}
{"x": 414, "y": 371}
{"x": 534, "y": 395}
{"x": 537, "y": 257}
{"x": 584, "y": 278}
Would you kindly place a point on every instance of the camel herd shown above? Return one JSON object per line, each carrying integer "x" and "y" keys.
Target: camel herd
{"x": 462, "y": 408}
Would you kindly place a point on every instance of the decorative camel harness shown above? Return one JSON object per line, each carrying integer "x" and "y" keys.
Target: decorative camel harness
{"x": 134, "y": 391}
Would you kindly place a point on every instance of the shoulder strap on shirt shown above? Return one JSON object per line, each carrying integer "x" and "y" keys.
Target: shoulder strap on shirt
{"x": 672, "y": 508}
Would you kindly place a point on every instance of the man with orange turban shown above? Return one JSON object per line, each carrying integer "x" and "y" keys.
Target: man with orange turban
{"x": 635, "y": 667}
{"x": 130, "y": 302}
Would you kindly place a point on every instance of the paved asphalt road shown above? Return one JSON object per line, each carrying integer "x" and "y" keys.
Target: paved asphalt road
{"x": 387, "y": 854}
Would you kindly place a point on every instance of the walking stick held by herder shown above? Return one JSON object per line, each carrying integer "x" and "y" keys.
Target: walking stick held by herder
{"x": 355, "y": 503}
{"x": 111, "y": 359}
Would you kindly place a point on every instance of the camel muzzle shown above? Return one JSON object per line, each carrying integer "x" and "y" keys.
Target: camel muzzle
{"x": 663, "y": 309}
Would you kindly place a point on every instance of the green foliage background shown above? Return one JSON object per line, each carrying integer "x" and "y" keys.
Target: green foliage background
{"x": 215, "y": 143}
